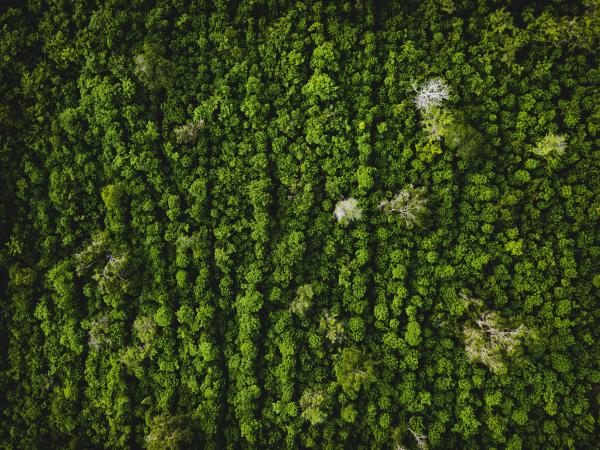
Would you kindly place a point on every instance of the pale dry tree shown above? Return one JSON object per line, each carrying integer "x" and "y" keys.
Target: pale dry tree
{"x": 142, "y": 68}
{"x": 551, "y": 145}
{"x": 184, "y": 242}
{"x": 490, "y": 341}
{"x": 347, "y": 210}
{"x": 188, "y": 133}
{"x": 431, "y": 94}
{"x": 91, "y": 254}
{"x": 506, "y": 339}
{"x": 114, "y": 267}
{"x": 112, "y": 276}
{"x": 409, "y": 204}
{"x": 479, "y": 349}
{"x": 420, "y": 438}
{"x": 438, "y": 123}
{"x": 397, "y": 439}
{"x": 145, "y": 328}
{"x": 170, "y": 432}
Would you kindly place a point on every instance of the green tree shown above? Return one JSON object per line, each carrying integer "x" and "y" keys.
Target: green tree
{"x": 312, "y": 404}
{"x": 169, "y": 433}
{"x": 353, "y": 370}
{"x": 334, "y": 329}
{"x": 302, "y": 301}
{"x": 152, "y": 68}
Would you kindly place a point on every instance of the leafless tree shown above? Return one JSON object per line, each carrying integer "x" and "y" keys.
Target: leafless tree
{"x": 469, "y": 301}
{"x": 112, "y": 276}
{"x": 114, "y": 267}
{"x": 409, "y": 204}
{"x": 420, "y": 438}
{"x": 91, "y": 254}
{"x": 145, "y": 328}
{"x": 488, "y": 342}
{"x": 397, "y": 439}
{"x": 431, "y": 94}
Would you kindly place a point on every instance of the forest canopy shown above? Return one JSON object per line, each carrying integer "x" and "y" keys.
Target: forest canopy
{"x": 311, "y": 224}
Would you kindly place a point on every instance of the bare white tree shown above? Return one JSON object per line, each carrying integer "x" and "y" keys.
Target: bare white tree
{"x": 490, "y": 341}
{"x": 439, "y": 124}
{"x": 478, "y": 349}
{"x": 145, "y": 327}
{"x": 114, "y": 267}
{"x": 505, "y": 339}
{"x": 420, "y": 438}
{"x": 431, "y": 94}
{"x": 113, "y": 274}
{"x": 397, "y": 439}
{"x": 142, "y": 67}
{"x": 91, "y": 254}
{"x": 409, "y": 204}
{"x": 347, "y": 211}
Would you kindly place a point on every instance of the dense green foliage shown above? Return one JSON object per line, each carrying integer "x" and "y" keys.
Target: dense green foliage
{"x": 172, "y": 271}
